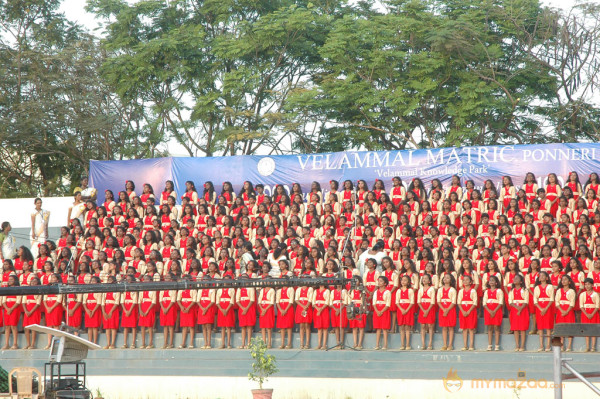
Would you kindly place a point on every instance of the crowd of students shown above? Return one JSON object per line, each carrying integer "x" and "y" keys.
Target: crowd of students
{"x": 436, "y": 255}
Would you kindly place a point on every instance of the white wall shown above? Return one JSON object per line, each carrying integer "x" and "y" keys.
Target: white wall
{"x": 18, "y": 211}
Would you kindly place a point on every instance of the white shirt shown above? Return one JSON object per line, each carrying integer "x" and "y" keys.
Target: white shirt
{"x": 362, "y": 259}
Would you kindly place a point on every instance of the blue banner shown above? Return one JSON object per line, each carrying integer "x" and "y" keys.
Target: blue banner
{"x": 470, "y": 163}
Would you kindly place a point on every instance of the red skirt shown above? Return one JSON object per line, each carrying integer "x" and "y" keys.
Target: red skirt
{"x": 208, "y": 317}
{"x": 13, "y": 318}
{"x": 55, "y": 317}
{"x": 393, "y": 306}
{"x": 188, "y": 319}
{"x": 519, "y": 322}
{"x": 130, "y": 321}
{"x": 248, "y": 319}
{"x": 268, "y": 320}
{"x": 358, "y": 322}
{"x": 77, "y": 318}
{"x": 382, "y": 322}
{"x": 307, "y": 318}
{"x": 150, "y": 319}
{"x": 113, "y": 321}
{"x": 429, "y": 319}
{"x": 35, "y": 318}
{"x": 469, "y": 322}
{"x": 95, "y": 320}
{"x": 168, "y": 319}
{"x": 335, "y": 319}
{"x": 226, "y": 320}
{"x": 286, "y": 320}
{"x": 321, "y": 320}
{"x": 407, "y": 319}
{"x": 569, "y": 318}
{"x": 492, "y": 321}
{"x": 545, "y": 322}
{"x": 448, "y": 320}
{"x": 1, "y": 317}
{"x": 594, "y": 320}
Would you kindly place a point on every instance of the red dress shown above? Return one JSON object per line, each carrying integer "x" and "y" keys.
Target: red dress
{"x": 168, "y": 319}
{"x": 588, "y": 307}
{"x": 248, "y": 319}
{"x": 563, "y": 304}
{"x": 493, "y": 303}
{"x": 226, "y": 319}
{"x": 205, "y": 300}
{"x": 341, "y": 319}
{"x": 304, "y": 317}
{"x": 13, "y": 318}
{"x": 546, "y": 321}
{"x": 187, "y": 319}
{"x": 268, "y": 320}
{"x": 111, "y": 302}
{"x": 29, "y": 303}
{"x": 427, "y": 301}
{"x": 321, "y": 320}
{"x": 445, "y": 302}
{"x": 359, "y": 321}
{"x": 407, "y": 319}
{"x": 54, "y": 317}
{"x": 285, "y": 302}
{"x": 147, "y": 305}
{"x": 519, "y": 322}
{"x": 467, "y": 304}
{"x": 128, "y": 303}
{"x": 379, "y": 303}
{"x": 95, "y": 320}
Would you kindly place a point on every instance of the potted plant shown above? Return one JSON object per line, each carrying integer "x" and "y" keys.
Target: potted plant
{"x": 263, "y": 367}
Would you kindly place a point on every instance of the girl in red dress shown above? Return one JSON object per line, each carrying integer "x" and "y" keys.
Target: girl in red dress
{"x": 493, "y": 301}
{"x": 338, "y": 299}
{"x": 304, "y": 314}
{"x": 266, "y": 315}
{"x": 381, "y": 312}
{"x": 206, "y": 312}
{"x": 426, "y": 303}
{"x": 32, "y": 313}
{"x": 167, "y": 300}
{"x": 226, "y": 315}
{"x": 245, "y": 300}
{"x": 285, "y": 314}
{"x": 111, "y": 302}
{"x": 446, "y": 299}
{"x": 467, "y": 316}
{"x": 358, "y": 322}
{"x": 543, "y": 298}
{"x": 186, "y": 300}
{"x": 518, "y": 303}
{"x": 564, "y": 301}
{"x": 147, "y": 314}
{"x": 320, "y": 302}
{"x": 92, "y": 303}
{"x": 53, "y": 309}
{"x": 405, "y": 306}
{"x": 589, "y": 302}
{"x": 11, "y": 306}
{"x": 129, "y": 314}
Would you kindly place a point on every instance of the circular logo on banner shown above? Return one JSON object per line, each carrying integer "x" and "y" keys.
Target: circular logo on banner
{"x": 266, "y": 166}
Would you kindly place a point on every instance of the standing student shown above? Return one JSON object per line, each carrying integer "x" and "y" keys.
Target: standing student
{"x": 206, "y": 312}
{"x": 11, "y": 307}
{"x": 338, "y": 298}
{"x": 167, "y": 301}
{"x": 32, "y": 314}
{"x": 285, "y": 315}
{"x": 381, "y": 312}
{"x": 493, "y": 301}
{"x": 358, "y": 322}
{"x": 467, "y": 316}
{"x": 226, "y": 316}
{"x": 304, "y": 314}
{"x": 186, "y": 300}
{"x": 92, "y": 303}
{"x": 564, "y": 301}
{"x": 320, "y": 302}
{"x": 245, "y": 299}
{"x": 129, "y": 318}
{"x": 111, "y": 302}
{"x": 405, "y": 306}
{"x": 74, "y": 307}
{"x": 589, "y": 302}
{"x": 446, "y": 299}
{"x": 543, "y": 298}
{"x": 426, "y": 303}
{"x": 147, "y": 314}
{"x": 518, "y": 304}
{"x": 266, "y": 315}
{"x": 53, "y": 309}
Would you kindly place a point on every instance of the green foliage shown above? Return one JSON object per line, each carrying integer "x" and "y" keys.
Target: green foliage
{"x": 264, "y": 365}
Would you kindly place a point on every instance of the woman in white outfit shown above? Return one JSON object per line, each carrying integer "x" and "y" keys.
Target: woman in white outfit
{"x": 76, "y": 210}
{"x": 39, "y": 226}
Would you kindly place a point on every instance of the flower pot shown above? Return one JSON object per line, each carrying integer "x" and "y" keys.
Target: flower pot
{"x": 262, "y": 393}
